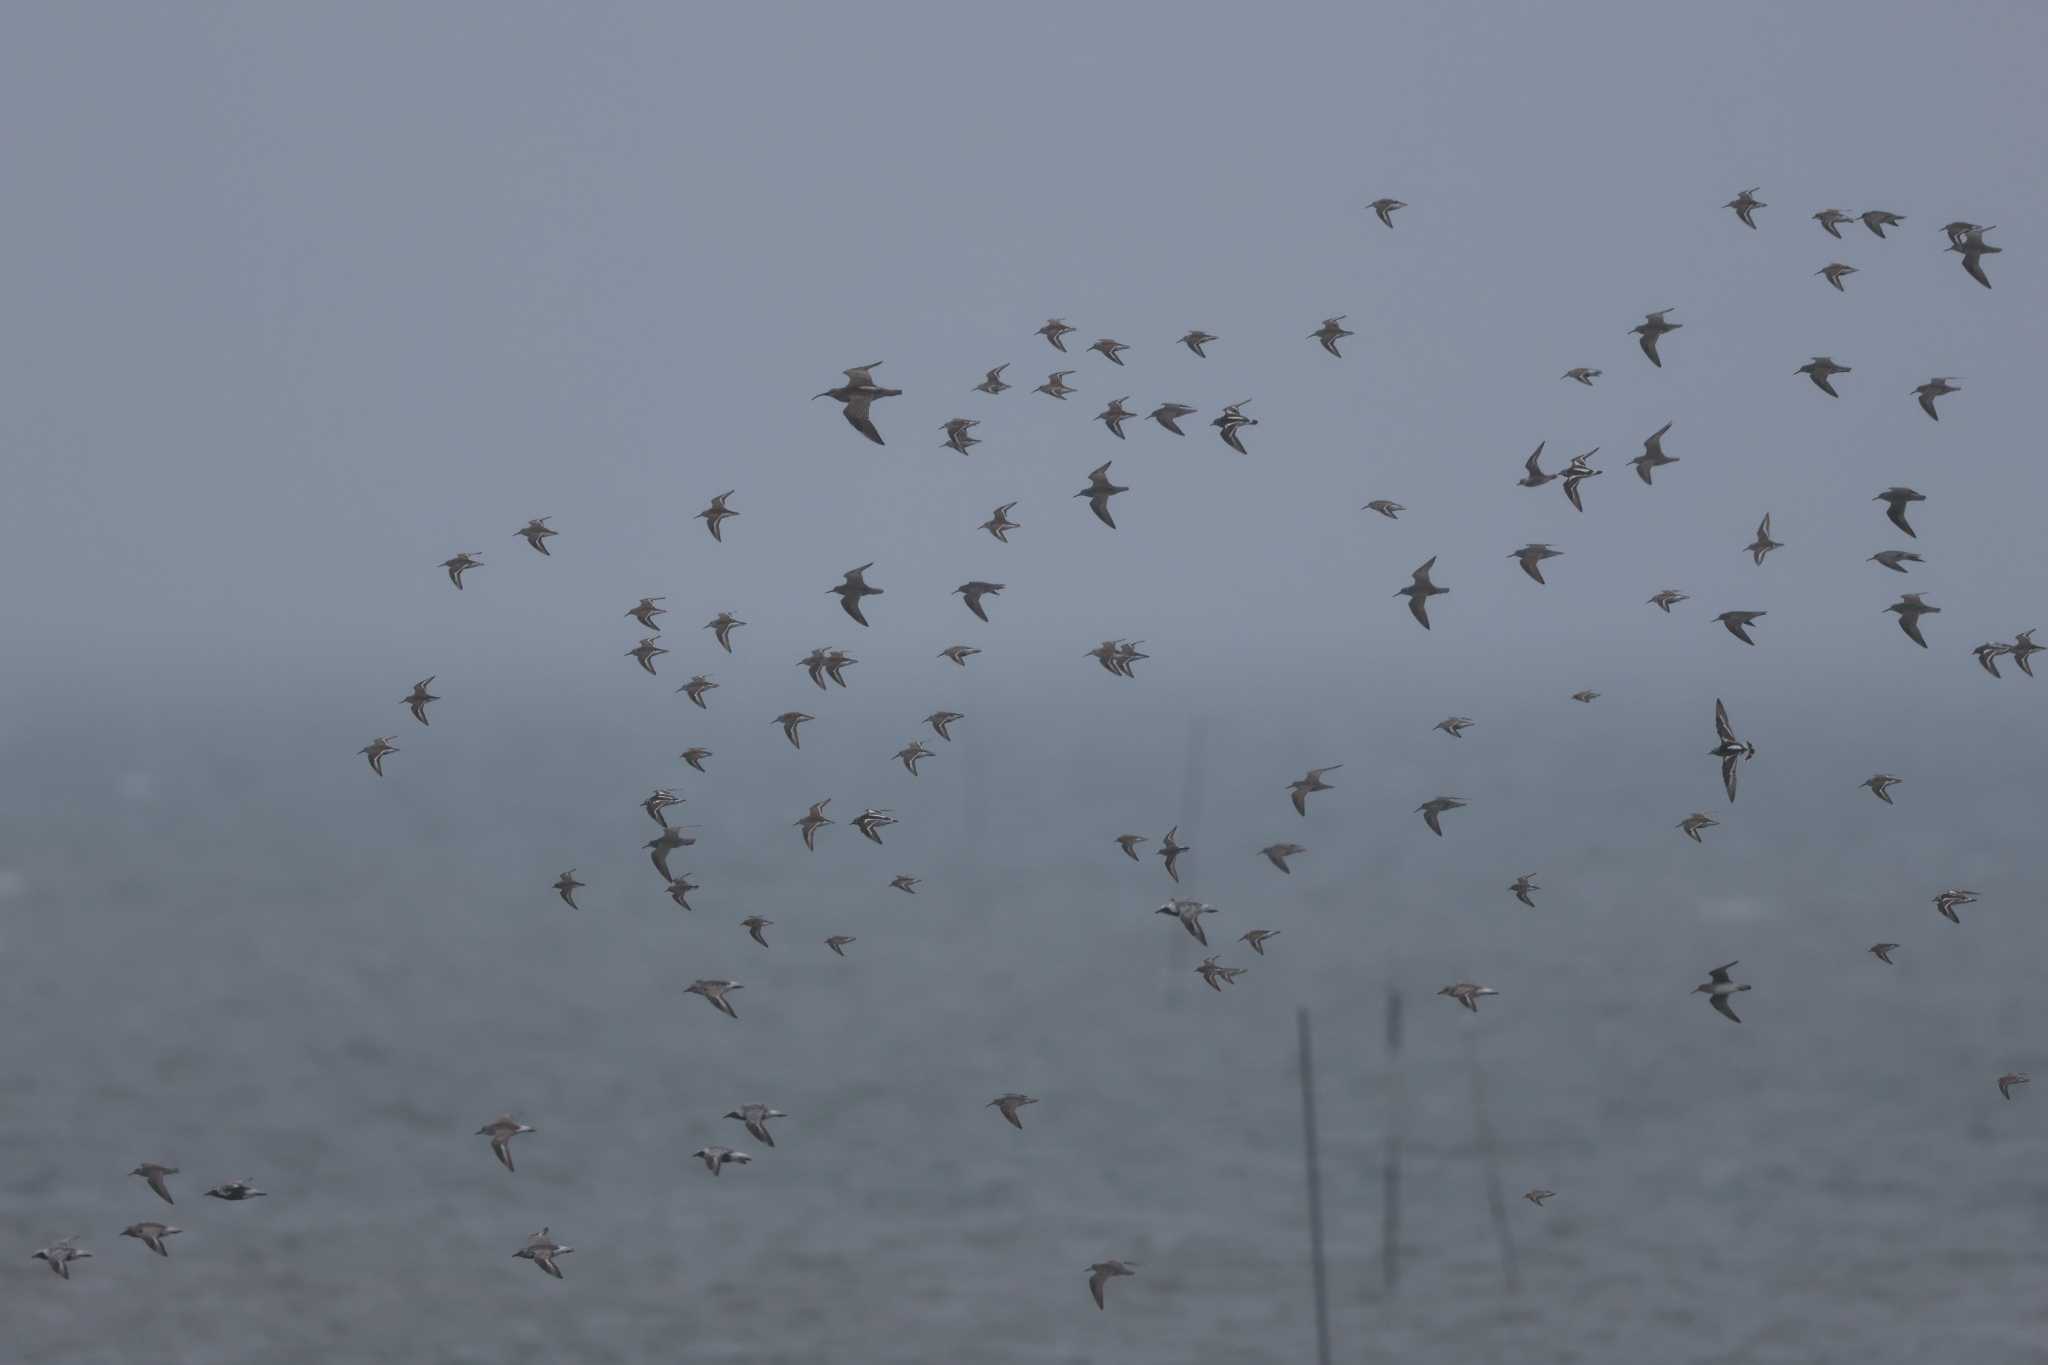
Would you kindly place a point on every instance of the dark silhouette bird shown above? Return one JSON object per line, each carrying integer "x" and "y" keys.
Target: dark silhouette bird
{"x": 1299, "y": 791}
{"x": 1836, "y": 272}
{"x": 566, "y": 886}
{"x": 1434, "y": 808}
{"x": 536, "y": 533}
{"x": 1386, "y": 209}
{"x": 993, "y": 382}
{"x": 1729, "y": 748}
{"x": 1099, "y": 491}
{"x": 1763, "y": 544}
{"x": 1330, "y": 333}
{"x": 459, "y": 566}
{"x": 1972, "y": 247}
{"x": 1745, "y": 204}
{"x": 852, "y": 589}
{"x": 1053, "y": 330}
{"x": 1419, "y": 591}
{"x": 1531, "y": 558}
{"x": 1877, "y": 220}
{"x": 1196, "y": 340}
{"x": 1895, "y": 500}
{"x": 1652, "y": 327}
{"x": 1909, "y": 609}
{"x": 1821, "y": 370}
{"x": 1170, "y": 848}
{"x": 1115, "y": 415}
{"x": 1933, "y": 389}
{"x": 1232, "y": 423}
{"x": 416, "y": 701}
{"x": 1109, "y": 350}
{"x": 1894, "y": 559}
{"x": 1168, "y": 415}
{"x": 1653, "y": 456}
{"x": 717, "y": 514}
{"x": 1831, "y": 221}
{"x": 1738, "y": 623}
{"x": 856, "y": 396}
{"x": 1576, "y": 473}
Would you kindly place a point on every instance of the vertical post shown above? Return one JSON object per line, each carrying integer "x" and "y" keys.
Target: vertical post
{"x": 1390, "y": 1169}
{"x": 1315, "y": 1188}
{"x": 1496, "y": 1203}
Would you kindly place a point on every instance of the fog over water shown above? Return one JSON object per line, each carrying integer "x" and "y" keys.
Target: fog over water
{"x": 301, "y": 301}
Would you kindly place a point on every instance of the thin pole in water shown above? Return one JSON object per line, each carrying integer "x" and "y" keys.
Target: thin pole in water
{"x": 1496, "y": 1202}
{"x": 1315, "y": 1188}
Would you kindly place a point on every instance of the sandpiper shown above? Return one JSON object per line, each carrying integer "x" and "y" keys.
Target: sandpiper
{"x": 1532, "y": 469}
{"x": 1455, "y": 726}
{"x": 1653, "y": 326}
{"x": 1933, "y": 389}
{"x": 1168, "y": 415}
{"x": 1586, "y": 695}
{"x": 668, "y": 841}
{"x": 973, "y": 593}
{"x": 1009, "y": 1104}
{"x": 856, "y": 396}
{"x": 1909, "y": 610}
{"x": 717, "y": 992}
{"x": 2024, "y": 649}
{"x": 235, "y": 1191}
{"x": 872, "y": 822}
{"x": 61, "y": 1253}
{"x": 756, "y": 1116}
{"x": 375, "y": 751}
{"x": 1299, "y": 791}
{"x": 1883, "y": 952}
{"x": 1056, "y": 386}
{"x": 1099, "y": 491}
{"x": 909, "y": 755}
{"x": 154, "y": 1174}
{"x": 905, "y": 883}
{"x": 1832, "y": 219}
{"x": 501, "y": 1130}
{"x": 1532, "y": 557}
{"x": 542, "y": 1249}
{"x": 647, "y": 651}
{"x": 956, "y": 430}
{"x": 1537, "y": 1197}
{"x": 647, "y": 611}
{"x": 1390, "y": 510}
{"x": 958, "y": 654}
{"x": 716, "y": 1159}
{"x": 1102, "y": 1272}
{"x": 460, "y": 565}
{"x": 1763, "y": 544}
{"x": 715, "y": 516}
{"x": 416, "y": 700}
{"x": 696, "y": 687}
{"x": 754, "y": 924}
{"x": 1582, "y": 374}
{"x": 1729, "y": 749}
{"x": 939, "y": 720}
{"x": 1195, "y": 340}
{"x": 1719, "y": 988}
{"x": 1278, "y": 854}
{"x": 1653, "y": 456}
{"x": 536, "y": 533}
{"x": 657, "y": 802}
{"x": 1877, "y": 220}
{"x": 1419, "y": 591}
{"x": 679, "y": 889}
{"x": 1694, "y": 823}
{"x": 1821, "y": 370}
{"x": 1467, "y": 993}
{"x": 1054, "y": 329}
{"x": 1880, "y": 786}
{"x": 1835, "y": 272}
{"x": 1668, "y": 598}
{"x": 1330, "y": 333}
{"x": 1522, "y": 886}
{"x": 814, "y": 820}
{"x": 1000, "y": 524}
{"x": 566, "y": 887}
{"x": 1170, "y": 848}
{"x": 1745, "y": 204}
{"x": 1947, "y": 902}
{"x": 1989, "y": 654}
{"x": 1434, "y": 808}
{"x": 151, "y": 1235}
{"x": 2011, "y": 1079}
{"x": 1972, "y": 247}
{"x": 993, "y": 383}
{"x": 1129, "y": 844}
{"x": 1893, "y": 559}
{"x": 852, "y": 588}
{"x": 1257, "y": 939}
{"x": 1190, "y": 913}
{"x": 1109, "y": 350}
{"x": 789, "y": 721}
{"x": 1895, "y": 501}
{"x": 837, "y": 943}
{"x": 1738, "y": 623}
{"x": 1385, "y": 208}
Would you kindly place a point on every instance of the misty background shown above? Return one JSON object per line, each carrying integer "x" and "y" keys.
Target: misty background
{"x": 301, "y": 301}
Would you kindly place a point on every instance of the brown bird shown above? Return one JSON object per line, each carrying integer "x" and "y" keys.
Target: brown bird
{"x": 722, "y": 624}
{"x": 460, "y": 565}
{"x": 1109, "y": 350}
{"x": 1883, "y": 952}
{"x": 696, "y": 688}
{"x": 1909, "y": 610}
{"x": 717, "y": 513}
{"x": 2009, "y": 1080}
{"x": 1257, "y": 939}
{"x": 973, "y": 593}
{"x": 1170, "y": 848}
{"x": 1278, "y": 854}
{"x": 501, "y": 1130}
{"x": 647, "y": 611}
{"x": 852, "y": 589}
{"x": 536, "y": 533}
{"x": 416, "y": 701}
{"x": 856, "y": 396}
{"x": 376, "y": 749}
{"x": 1312, "y": 783}
{"x": 814, "y": 820}
{"x": 1129, "y": 844}
{"x": 1420, "y": 591}
{"x": 1053, "y": 330}
{"x": 1196, "y": 340}
{"x": 789, "y": 720}
{"x": 1099, "y": 491}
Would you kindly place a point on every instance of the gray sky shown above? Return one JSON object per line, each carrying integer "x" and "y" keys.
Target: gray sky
{"x": 301, "y": 300}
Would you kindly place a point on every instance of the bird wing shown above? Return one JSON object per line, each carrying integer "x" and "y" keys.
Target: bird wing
{"x": 856, "y": 411}
{"x": 1728, "y": 775}
{"x": 1099, "y": 504}
{"x": 1429, "y": 814}
{"x": 1649, "y": 344}
{"x": 1910, "y": 623}
{"x": 501, "y": 1147}
{"x": 1721, "y": 726}
{"x": 1975, "y": 266}
{"x": 1418, "y": 607}
{"x": 1896, "y": 510}
{"x": 1719, "y": 976}
{"x": 1722, "y": 1004}
{"x": 1300, "y": 795}
{"x": 1927, "y": 406}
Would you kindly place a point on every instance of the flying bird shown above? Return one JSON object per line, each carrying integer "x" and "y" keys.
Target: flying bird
{"x": 1877, "y": 220}
{"x": 939, "y": 720}
{"x": 1988, "y": 656}
{"x": 1196, "y": 340}
{"x": 1129, "y": 844}
{"x": 1330, "y": 333}
{"x": 1729, "y": 748}
{"x": 723, "y": 624}
{"x": 1278, "y": 854}
{"x": 536, "y": 533}
{"x": 1168, "y": 415}
{"x": 1718, "y": 988}
{"x": 1576, "y": 473}
{"x": 872, "y": 822}
{"x": 661, "y": 800}
{"x": 1390, "y": 510}
{"x": 789, "y": 720}
{"x": 1522, "y": 886}
{"x": 460, "y": 565}
{"x": 837, "y": 943}
{"x": 60, "y": 1254}
{"x": 696, "y": 687}
{"x": 1653, "y": 326}
{"x": 1972, "y": 247}
{"x": 1582, "y": 374}
{"x": 1894, "y": 559}
{"x": 1385, "y": 208}
{"x": 956, "y": 429}
{"x": 416, "y": 701}
{"x": 1000, "y": 524}
{"x": 905, "y": 883}
{"x": 1056, "y": 386}
{"x": 1170, "y": 848}
{"x": 566, "y": 886}
{"x": 1667, "y": 599}
{"x": 716, "y": 515}
{"x": 1114, "y": 416}
{"x": 661, "y": 845}
{"x": 542, "y": 1249}
{"x": 1419, "y": 591}
{"x": 2009, "y": 1080}
{"x": 1947, "y": 903}
{"x": 1190, "y": 915}
{"x": 151, "y": 1235}
{"x": 1533, "y": 475}
{"x": 756, "y": 1116}
{"x": 1653, "y": 456}
{"x": 993, "y": 382}
{"x": 1738, "y": 623}
{"x": 1763, "y": 544}
{"x": 754, "y": 924}
{"x": 501, "y": 1130}
{"x": 716, "y": 1159}
{"x": 1909, "y": 610}
{"x": 1933, "y": 389}
{"x": 1532, "y": 557}
{"x": 856, "y": 396}
{"x": 855, "y": 587}
{"x": 1099, "y": 491}
{"x": 1821, "y": 369}
{"x": 1053, "y": 330}
{"x": 647, "y": 651}
{"x": 1835, "y": 272}
{"x": 909, "y": 755}
{"x": 1467, "y": 993}
{"x": 1231, "y": 423}
{"x": 1109, "y": 350}
{"x": 647, "y": 611}
{"x": 1745, "y": 204}
{"x": 2024, "y": 649}
{"x": 973, "y": 592}
{"x": 376, "y": 749}
{"x": 1435, "y": 807}
{"x": 1537, "y": 1197}
{"x": 1300, "y": 790}
{"x": 958, "y": 654}
{"x": 717, "y": 992}
{"x": 1880, "y": 787}
{"x": 1586, "y": 695}
{"x": 235, "y": 1191}
{"x": 154, "y": 1174}
{"x": 1102, "y": 1272}
{"x": 1009, "y": 1105}
{"x": 814, "y": 820}
{"x": 1832, "y": 219}
{"x": 1694, "y": 823}
{"x": 1257, "y": 939}
{"x": 1895, "y": 500}
{"x": 1883, "y": 952}
{"x": 1455, "y": 726}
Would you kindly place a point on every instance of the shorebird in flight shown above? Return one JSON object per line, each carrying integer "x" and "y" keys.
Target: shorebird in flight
{"x": 1972, "y": 247}
{"x": 566, "y": 886}
{"x": 956, "y": 429}
{"x": 1880, "y": 786}
{"x": 1170, "y": 848}
{"x": 1054, "y": 329}
{"x": 661, "y": 845}
{"x": 909, "y": 755}
{"x": 1129, "y": 844}
{"x": 814, "y": 820}
{"x": 1576, "y": 473}
{"x": 716, "y": 1159}
{"x": 722, "y": 626}
{"x": 1653, "y": 456}
{"x": 1582, "y": 374}
{"x": 416, "y": 700}
{"x": 1196, "y": 340}
{"x": 1667, "y": 599}
{"x": 1330, "y": 333}
{"x": 1537, "y": 1197}
{"x": 536, "y": 533}
{"x": 1738, "y": 623}
{"x": 1102, "y": 1272}
{"x": 856, "y": 396}
{"x": 1419, "y": 591}
{"x": 1988, "y": 656}
{"x": 754, "y": 924}
{"x": 542, "y": 1249}
{"x": 1832, "y": 219}
{"x": 1390, "y": 510}
{"x": 1278, "y": 854}
{"x": 939, "y": 720}
{"x": 1532, "y": 557}
{"x": 1189, "y": 913}
{"x": 1894, "y": 559}
{"x": 646, "y": 652}
{"x": 1909, "y": 610}
{"x": 659, "y": 801}
{"x": 1114, "y": 416}
{"x": 1455, "y": 726}
{"x": 1883, "y": 952}
{"x": 717, "y": 514}
{"x": 789, "y": 721}
{"x": 872, "y": 822}
{"x": 756, "y": 1116}
{"x": 376, "y": 749}
{"x": 958, "y": 654}
{"x": 1522, "y": 886}
{"x": 837, "y": 943}
{"x": 1300, "y": 790}
{"x": 1947, "y": 903}
{"x": 1056, "y": 386}
{"x": 60, "y": 1254}
{"x": 852, "y": 589}
{"x": 1585, "y": 695}
{"x": 1386, "y": 208}
{"x": 1257, "y": 939}
{"x": 1694, "y": 823}
{"x": 1099, "y": 491}
{"x": 2024, "y": 649}
{"x": 973, "y": 592}
{"x": 1821, "y": 370}
{"x": 1232, "y": 423}
{"x": 1895, "y": 500}
{"x": 1763, "y": 544}
{"x": 1653, "y": 326}
{"x": 1467, "y": 993}
{"x": 1000, "y": 524}
{"x": 647, "y": 611}
{"x": 1729, "y": 748}
{"x": 2009, "y": 1080}
{"x": 1745, "y": 204}
{"x": 717, "y": 992}
{"x": 460, "y": 565}
{"x": 905, "y": 883}
{"x": 1435, "y": 807}
{"x": 1533, "y": 475}
{"x": 501, "y": 1130}
{"x": 993, "y": 382}
{"x": 1168, "y": 415}
{"x": 1009, "y": 1105}
{"x": 1109, "y": 350}
{"x": 696, "y": 687}
{"x": 151, "y": 1235}
{"x": 1718, "y": 988}
{"x": 1933, "y": 389}
{"x": 1877, "y": 220}
{"x": 154, "y": 1174}
{"x": 1835, "y": 272}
